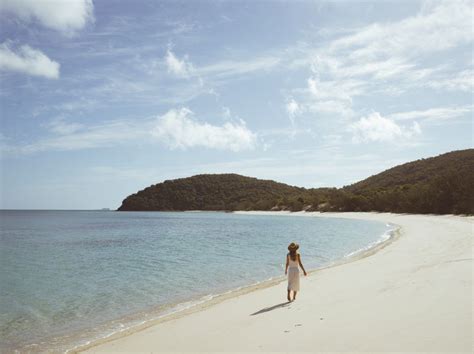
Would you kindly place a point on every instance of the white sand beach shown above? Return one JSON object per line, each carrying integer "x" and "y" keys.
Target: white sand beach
{"x": 414, "y": 294}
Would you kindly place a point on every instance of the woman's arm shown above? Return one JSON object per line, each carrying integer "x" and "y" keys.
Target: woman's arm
{"x": 301, "y": 264}
{"x": 287, "y": 264}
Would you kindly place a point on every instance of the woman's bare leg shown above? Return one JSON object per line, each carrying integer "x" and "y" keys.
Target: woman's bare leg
{"x": 294, "y": 295}
{"x": 288, "y": 296}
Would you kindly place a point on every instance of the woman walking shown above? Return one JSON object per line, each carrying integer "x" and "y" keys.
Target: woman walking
{"x": 293, "y": 260}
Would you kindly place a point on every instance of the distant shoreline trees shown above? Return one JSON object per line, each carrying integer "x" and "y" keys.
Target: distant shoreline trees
{"x": 438, "y": 185}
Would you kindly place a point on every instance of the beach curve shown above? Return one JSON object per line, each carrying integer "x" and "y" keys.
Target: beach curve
{"x": 391, "y": 301}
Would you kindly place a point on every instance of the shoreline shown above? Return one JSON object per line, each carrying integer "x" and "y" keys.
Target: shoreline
{"x": 413, "y": 296}
{"x": 393, "y": 235}
{"x": 93, "y": 335}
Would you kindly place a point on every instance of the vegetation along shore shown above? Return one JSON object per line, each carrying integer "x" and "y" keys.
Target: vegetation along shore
{"x": 440, "y": 185}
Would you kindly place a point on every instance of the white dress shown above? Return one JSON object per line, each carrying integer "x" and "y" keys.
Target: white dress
{"x": 293, "y": 275}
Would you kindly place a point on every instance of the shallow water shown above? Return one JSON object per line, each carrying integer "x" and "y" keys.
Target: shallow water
{"x": 71, "y": 276}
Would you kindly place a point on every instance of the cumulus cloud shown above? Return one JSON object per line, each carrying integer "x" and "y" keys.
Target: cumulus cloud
{"x": 178, "y": 129}
{"x": 181, "y": 68}
{"x": 64, "y": 16}
{"x": 27, "y": 60}
{"x": 376, "y": 128}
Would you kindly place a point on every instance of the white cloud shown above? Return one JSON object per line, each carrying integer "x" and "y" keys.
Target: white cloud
{"x": 108, "y": 134}
{"x": 376, "y": 128}
{"x": 220, "y": 70}
{"x": 64, "y": 16}
{"x": 379, "y": 69}
{"x": 433, "y": 114}
{"x": 461, "y": 81}
{"x": 438, "y": 26}
{"x": 342, "y": 108}
{"x": 182, "y": 68}
{"x": 389, "y": 58}
{"x": 228, "y": 68}
{"x": 59, "y": 126}
{"x": 293, "y": 109}
{"x": 384, "y": 50}
{"x": 27, "y": 60}
{"x": 178, "y": 129}
{"x": 334, "y": 89}
{"x": 68, "y": 136}
{"x": 332, "y": 96}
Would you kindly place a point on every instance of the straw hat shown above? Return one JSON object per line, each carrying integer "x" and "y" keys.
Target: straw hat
{"x": 293, "y": 246}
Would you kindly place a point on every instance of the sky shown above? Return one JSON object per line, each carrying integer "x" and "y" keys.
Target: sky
{"x": 100, "y": 99}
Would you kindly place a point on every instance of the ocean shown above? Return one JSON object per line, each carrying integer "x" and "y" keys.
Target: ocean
{"x": 71, "y": 277}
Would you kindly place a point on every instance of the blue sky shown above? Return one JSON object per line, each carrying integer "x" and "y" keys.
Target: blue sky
{"x": 100, "y": 99}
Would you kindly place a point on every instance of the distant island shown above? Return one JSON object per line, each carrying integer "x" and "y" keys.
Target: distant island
{"x": 440, "y": 185}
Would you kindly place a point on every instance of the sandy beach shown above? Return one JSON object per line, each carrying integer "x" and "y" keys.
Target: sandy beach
{"x": 412, "y": 294}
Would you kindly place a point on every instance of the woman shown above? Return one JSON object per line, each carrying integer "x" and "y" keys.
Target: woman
{"x": 293, "y": 260}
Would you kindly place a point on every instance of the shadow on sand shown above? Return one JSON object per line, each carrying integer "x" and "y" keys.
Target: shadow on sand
{"x": 271, "y": 308}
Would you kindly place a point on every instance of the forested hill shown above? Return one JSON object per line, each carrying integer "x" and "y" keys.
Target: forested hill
{"x": 441, "y": 185}
{"x": 211, "y": 192}
{"x": 421, "y": 171}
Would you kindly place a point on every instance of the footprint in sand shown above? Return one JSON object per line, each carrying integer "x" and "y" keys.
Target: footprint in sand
{"x": 286, "y": 331}
{"x": 298, "y": 325}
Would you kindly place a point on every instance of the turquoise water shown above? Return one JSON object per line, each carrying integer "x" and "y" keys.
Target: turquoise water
{"x": 68, "y": 277}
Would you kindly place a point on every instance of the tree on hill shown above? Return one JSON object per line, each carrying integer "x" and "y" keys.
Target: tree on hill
{"x": 441, "y": 185}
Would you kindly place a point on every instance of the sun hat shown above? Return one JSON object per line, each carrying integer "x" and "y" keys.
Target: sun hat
{"x": 293, "y": 246}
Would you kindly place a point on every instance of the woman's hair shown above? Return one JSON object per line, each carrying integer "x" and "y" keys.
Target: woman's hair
{"x": 293, "y": 255}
